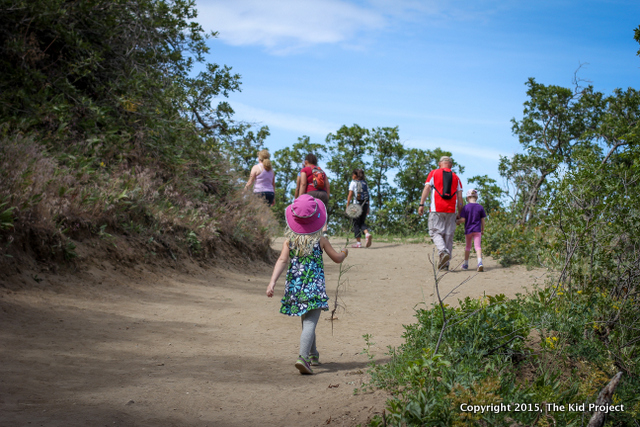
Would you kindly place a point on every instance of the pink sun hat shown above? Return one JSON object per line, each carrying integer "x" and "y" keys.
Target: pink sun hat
{"x": 306, "y": 215}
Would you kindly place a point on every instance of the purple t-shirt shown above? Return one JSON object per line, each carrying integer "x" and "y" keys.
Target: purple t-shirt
{"x": 472, "y": 214}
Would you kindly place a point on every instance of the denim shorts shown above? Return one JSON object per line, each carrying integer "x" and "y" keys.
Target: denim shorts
{"x": 269, "y": 196}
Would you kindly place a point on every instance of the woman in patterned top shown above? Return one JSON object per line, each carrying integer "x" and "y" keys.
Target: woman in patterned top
{"x": 305, "y": 293}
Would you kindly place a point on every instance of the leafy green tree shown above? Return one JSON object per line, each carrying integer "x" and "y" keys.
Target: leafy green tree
{"x": 116, "y": 70}
{"x": 555, "y": 121}
{"x": 387, "y": 151}
{"x": 619, "y": 126}
{"x": 489, "y": 192}
{"x": 131, "y": 132}
{"x": 347, "y": 149}
{"x": 241, "y": 145}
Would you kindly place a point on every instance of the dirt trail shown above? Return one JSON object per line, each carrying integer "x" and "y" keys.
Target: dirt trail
{"x": 207, "y": 348}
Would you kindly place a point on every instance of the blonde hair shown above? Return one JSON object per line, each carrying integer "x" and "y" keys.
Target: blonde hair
{"x": 302, "y": 244}
{"x": 265, "y": 156}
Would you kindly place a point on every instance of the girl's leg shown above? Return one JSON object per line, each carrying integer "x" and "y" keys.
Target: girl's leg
{"x": 365, "y": 227}
{"x": 477, "y": 242}
{"x": 467, "y": 248}
{"x": 308, "y": 335}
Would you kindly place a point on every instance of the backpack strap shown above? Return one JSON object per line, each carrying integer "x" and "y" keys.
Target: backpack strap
{"x": 446, "y": 197}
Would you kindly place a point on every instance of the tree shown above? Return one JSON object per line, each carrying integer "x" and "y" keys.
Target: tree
{"x": 119, "y": 71}
{"x": 385, "y": 148}
{"x": 620, "y": 123}
{"x": 555, "y": 120}
{"x": 347, "y": 148}
{"x": 242, "y": 145}
{"x": 489, "y": 192}
{"x": 103, "y": 93}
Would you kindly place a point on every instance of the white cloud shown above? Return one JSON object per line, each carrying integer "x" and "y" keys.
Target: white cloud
{"x": 459, "y": 149}
{"x": 286, "y": 25}
{"x": 302, "y": 125}
{"x": 462, "y": 120}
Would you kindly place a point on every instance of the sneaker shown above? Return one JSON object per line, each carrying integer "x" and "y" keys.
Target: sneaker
{"x": 314, "y": 359}
{"x": 357, "y": 245}
{"x": 480, "y": 267}
{"x": 368, "y": 238}
{"x": 444, "y": 257}
{"x": 465, "y": 266}
{"x": 304, "y": 366}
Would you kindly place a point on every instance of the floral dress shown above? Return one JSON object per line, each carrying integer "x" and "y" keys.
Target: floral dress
{"x": 304, "y": 286}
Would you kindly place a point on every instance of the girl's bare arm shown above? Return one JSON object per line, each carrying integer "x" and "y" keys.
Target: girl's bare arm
{"x": 336, "y": 257}
{"x": 281, "y": 265}
{"x": 349, "y": 197}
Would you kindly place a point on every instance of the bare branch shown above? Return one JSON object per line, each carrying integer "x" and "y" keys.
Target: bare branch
{"x": 604, "y": 398}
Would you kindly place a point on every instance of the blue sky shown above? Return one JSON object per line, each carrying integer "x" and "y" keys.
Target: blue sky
{"x": 449, "y": 74}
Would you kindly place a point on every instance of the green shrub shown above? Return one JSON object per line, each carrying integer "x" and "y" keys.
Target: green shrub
{"x": 538, "y": 348}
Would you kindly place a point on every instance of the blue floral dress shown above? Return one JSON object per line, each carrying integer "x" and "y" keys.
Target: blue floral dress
{"x": 304, "y": 287}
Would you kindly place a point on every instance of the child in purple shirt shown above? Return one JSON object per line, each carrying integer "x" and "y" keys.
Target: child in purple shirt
{"x": 472, "y": 215}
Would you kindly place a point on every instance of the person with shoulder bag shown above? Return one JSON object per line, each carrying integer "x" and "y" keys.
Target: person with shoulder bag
{"x": 358, "y": 211}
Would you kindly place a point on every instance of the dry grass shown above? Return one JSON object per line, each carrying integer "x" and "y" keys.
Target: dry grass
{"x": 52, "y": 202}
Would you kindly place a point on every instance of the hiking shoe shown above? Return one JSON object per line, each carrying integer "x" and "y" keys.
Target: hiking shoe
{"x": 357, "y": 245}
{"x": 368, "y": 238}
{"x": 314, "y": 359}
{"x": 304, "y": 366}
{"x": 444, "y": 258}
{"x": 480, "y": 267}
{"x": 465, "y": 266}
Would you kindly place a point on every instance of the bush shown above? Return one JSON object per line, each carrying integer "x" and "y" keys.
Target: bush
{"x": 512, "y": 243}
{"x": 106, "y": 130}
{"x": 539, "y": 348}
{"x": 191, "y": 210}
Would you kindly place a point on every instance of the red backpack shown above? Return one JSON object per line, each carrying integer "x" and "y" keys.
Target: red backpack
{"x": 319, "y": 178}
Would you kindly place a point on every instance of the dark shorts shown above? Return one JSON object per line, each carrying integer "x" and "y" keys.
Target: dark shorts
{"x": 269, "y": 196}
{"x": 321, "y": 195}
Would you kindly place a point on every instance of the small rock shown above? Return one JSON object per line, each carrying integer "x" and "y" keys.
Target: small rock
{"x": 131, "y": 402}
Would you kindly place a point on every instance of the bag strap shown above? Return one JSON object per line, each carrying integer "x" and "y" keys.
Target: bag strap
{"x": 439, "y": 193}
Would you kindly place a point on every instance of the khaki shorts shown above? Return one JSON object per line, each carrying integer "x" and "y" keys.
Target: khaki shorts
{"x": 321, "y": 195}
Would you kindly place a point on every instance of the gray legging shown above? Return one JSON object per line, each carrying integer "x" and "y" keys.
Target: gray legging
{"x": 308, "y": 335}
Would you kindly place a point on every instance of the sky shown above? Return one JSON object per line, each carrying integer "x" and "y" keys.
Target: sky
{"x": 448, "y": 73}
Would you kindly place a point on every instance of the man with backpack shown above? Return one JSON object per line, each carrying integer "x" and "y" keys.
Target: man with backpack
{"x": 446, "y": 193}
{"x": 314, "y": 181}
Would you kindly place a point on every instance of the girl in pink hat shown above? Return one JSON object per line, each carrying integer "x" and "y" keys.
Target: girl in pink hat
{"x": 304, "y": 293}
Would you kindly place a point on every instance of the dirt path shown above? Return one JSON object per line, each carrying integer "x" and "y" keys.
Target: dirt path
{"x": 207, "y": 348}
